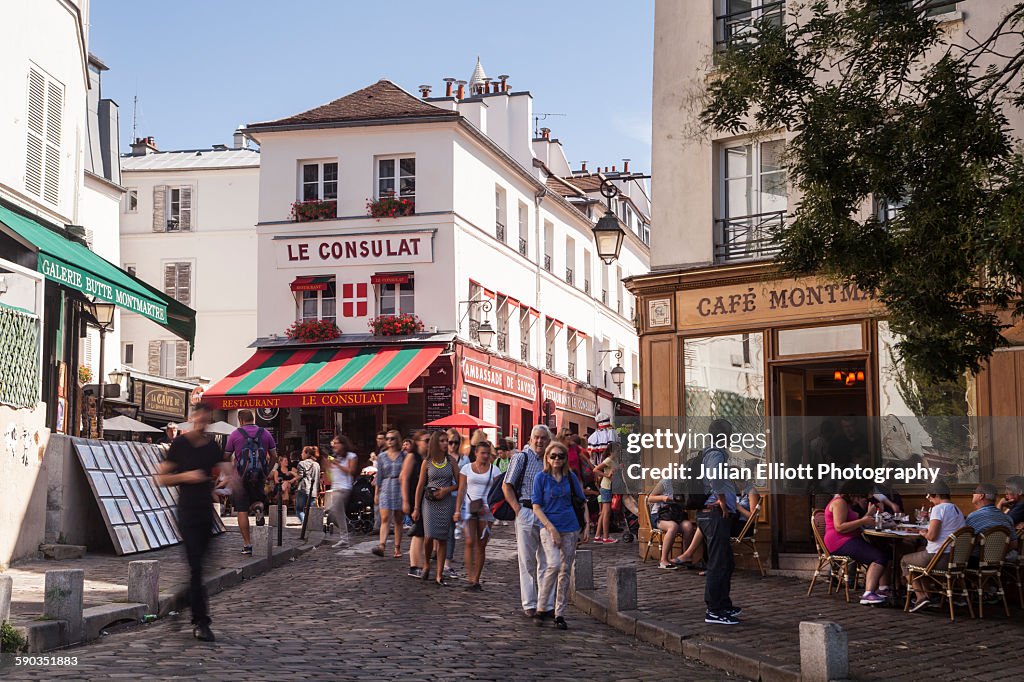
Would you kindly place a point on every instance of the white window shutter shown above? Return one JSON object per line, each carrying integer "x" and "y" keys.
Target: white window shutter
{"x": 34, "y": 165}
{"x": 159, "y": 212}
{"x": 184, "y": 283}
{"x": 181, "y": 359}
{"x": 54, "y": 121}
{"x": 185, "y": 224}
{"x": 171, "y": 279}
{"x": 153, "y": 365}
{"x": 36, "y": 132}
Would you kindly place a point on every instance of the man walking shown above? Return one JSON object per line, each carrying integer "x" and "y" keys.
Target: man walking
{"x": 715, "y": 521}
{"x": 251, "y": 448}
{"x": 190, "y": 464}
{"x": 518, "y": 490}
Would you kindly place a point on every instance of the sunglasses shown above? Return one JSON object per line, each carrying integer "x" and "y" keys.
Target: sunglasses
{"x": 390, "y": 438}
{"x": 556, "y": 456}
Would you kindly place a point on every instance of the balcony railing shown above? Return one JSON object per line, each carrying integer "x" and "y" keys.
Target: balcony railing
{"x": 590, "y": 376}
{"x": 474, "y": 330}
{"x": 524, "y": 350}
{"x": 502, "y": 343}
{"x": 740, "y": 26}
{"x": 586, "y": 286}
{"x": 568, "y": 276}
{"x": 499, "y": 231}
{"x": 604, "y": 296}
{"x": 547, "y": 262}
{"x": 618, "y": 305}
{"x": 549, "y": 361}
{"x": 749, "y": 237}
{"x": 522, "y": 246}
{"x": 572, "y": 370}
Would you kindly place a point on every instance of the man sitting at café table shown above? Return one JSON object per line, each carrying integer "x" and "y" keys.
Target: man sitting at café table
{"x": 944, "y": 520}
{"x": 986, "y": 515}
{"x": 1013, "y": 501}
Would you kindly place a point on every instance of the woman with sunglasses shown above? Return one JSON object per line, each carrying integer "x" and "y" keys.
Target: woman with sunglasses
{"x": 454, "y": 531}
{"x": 434, "y": 502}
{"x": 553, "y": 492}
{"x": 475, "y": 481}
{"x": 389, "y": 491}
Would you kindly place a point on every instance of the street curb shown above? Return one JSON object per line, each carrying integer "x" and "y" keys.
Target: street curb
{"x": 51, "y": 635}
{"x": 730, "y": 658}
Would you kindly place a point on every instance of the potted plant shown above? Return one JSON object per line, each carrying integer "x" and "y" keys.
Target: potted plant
{"x": 396, "y": 325}
{"x": 390, "y": 206}
{"x": 313, "y": 330}
{"x": 84, "y": 374}
{"x": 314, "y": 209}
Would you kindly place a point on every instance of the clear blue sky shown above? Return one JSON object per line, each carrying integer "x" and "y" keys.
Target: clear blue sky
{"x": 201, "y": 67}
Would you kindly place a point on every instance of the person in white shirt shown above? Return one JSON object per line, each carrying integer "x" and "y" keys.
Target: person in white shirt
{"x": 944, "y": 520}
{"x": 343, "y": 467}
{"x": 476, "y": 479}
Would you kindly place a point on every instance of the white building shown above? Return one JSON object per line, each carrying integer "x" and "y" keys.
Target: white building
{"x": 492, "y": 226}
{"x": 188, "y": 223}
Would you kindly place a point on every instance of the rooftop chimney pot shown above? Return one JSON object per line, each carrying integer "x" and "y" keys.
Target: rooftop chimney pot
{"x": 625, "y": 165}
{"x": 583, "y": 167}
{"x": 448, "y": 86}
{"x": 461, "y": 93}
{"x": 425, "y": 91}
{"x": 545, "y": 133}
{"x": 504, "y": 82}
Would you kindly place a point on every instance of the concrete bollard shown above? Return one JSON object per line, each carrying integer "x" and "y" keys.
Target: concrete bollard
{"x": 63, "y": 599}
{"x": 583, "y": 570}
{"x": 144, "y": 584}
{"x": 621, "y": 588}
{"x": 262, "y": 541}
{"x": 315, "y": 523}
{"x": 274, "y": 520}
{"x": 824, "y": 652}
{"x": 6, "y": 590}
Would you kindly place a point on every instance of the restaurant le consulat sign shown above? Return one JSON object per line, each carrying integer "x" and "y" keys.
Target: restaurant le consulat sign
{"x": 377, "y": 248}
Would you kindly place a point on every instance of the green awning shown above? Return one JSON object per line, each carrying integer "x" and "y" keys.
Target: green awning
{"x": 76, "y": 267}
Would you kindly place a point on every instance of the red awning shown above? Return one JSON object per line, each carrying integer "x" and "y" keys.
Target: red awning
{"x": 310, "y": 283}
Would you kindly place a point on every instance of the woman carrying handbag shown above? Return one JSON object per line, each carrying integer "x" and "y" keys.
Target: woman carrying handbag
{"x": 475, "y": 481}
{"x": 434, "y": 501}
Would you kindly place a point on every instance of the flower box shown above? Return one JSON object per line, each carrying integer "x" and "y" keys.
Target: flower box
{"x": 305, "y": 211}
{"x": 396, "y": 325}
{"x": 313, "y": 330}
{"x": 390, "y": 207}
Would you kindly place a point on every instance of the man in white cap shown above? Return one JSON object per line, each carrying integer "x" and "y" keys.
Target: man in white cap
{"x": 604, "y": 435}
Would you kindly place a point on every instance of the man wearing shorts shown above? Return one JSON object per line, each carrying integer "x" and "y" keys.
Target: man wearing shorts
{"x": 247, "y": 494}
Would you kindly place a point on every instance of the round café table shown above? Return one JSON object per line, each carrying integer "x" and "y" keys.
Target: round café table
{"x": 902, "y": 533}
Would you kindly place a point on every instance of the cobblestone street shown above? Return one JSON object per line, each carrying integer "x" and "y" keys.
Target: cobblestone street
{"x": 351, "y": 615}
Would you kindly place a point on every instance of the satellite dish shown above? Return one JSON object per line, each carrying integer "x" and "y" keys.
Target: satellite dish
{"x": 266, "y": 413}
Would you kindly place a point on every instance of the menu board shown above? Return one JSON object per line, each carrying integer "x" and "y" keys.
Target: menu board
{"x": 438, "y": 401}
{"x": 139, "y": 514}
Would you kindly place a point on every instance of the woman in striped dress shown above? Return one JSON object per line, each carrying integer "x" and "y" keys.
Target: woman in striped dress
{"x": 389, "y": 491}
{"x": 435, "y": 502}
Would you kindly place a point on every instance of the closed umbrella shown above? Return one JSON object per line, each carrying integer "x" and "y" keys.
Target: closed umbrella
{"x": 123, "y": 423}
{"x": 461, "y": 421}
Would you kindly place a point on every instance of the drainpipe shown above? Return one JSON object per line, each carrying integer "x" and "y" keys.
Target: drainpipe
{"x": 538, "y": 229}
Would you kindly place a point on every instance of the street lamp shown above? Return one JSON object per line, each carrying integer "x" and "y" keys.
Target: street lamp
{"x": 608, "y": 234}
{"x": 484, "y": 330}
{"x": 103, "y": 319}
{"x": 618, "y": 372}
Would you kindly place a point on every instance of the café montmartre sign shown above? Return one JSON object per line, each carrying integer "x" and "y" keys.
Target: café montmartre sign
{"x": 355, "y": 249}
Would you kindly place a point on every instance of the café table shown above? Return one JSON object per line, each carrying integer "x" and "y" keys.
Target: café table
{"x": 904, "y": 532}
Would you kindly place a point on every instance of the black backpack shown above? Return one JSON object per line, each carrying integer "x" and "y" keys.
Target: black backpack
{"x": 500, "y": 507}
{"x": 251, "y": 460}
{"x": 691, "y": 489}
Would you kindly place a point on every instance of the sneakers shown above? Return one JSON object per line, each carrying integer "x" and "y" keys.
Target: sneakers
{"x": 668, "y": 567}
{"x": 541, "y": 617}
{"x": 340, "y": 543}
{"x": 598, "y": 540}
{"x": 870, "y": 598}
{"x": 735, "y": 612}
{"x": 458, "y": 532}
{"x": 529, "y": 613}
{"x": 203, "y": 633}
{"x": 884, "y": 592}
{"x": 721, "y": 618}
{"x": 258, "y": 512}
{"x": 560, "y": 623}
{"x": 920, "y": 604}
{"x": 449, "y": 572}
{"x": 415, "y": 572}
{"x": 609, "y": 541}
{"x": 247, "y": 549}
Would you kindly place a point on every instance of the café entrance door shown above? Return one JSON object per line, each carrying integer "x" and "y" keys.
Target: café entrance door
{"x": 813, "y": 402}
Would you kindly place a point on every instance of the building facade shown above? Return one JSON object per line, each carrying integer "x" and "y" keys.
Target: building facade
{"x": 722, "y": 334}
{"x": 381, "y": 204}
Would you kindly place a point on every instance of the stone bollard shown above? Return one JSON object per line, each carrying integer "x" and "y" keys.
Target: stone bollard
{"x": 144, "y": 584}
{"x": 315, "y": 524}
{"x": 824, "y": 652}
{"x": 6, "y": 589}
{"x": 583, "y": 570}
{"x": 274, "y": 520}
{"x": 621, "y": 588}
{"x": 262, "y": 541}
{"x": 63, "y": 599}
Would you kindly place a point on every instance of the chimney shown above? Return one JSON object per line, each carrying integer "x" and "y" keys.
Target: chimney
{"x": 143, "y": 146}
{"x": 239, "y": 138}
{"x": 461, "y": 92}
{"x": 545, "y": 133}
{"x": 504, "y": 82}
{"x": 625, "y": 165}
{"x": 583, "y": 167}
{"x": 425, "y": 91}
{"x": 486, "y": 87}
{"x": 448, "y": 86}
{"x": 613, "y": 169}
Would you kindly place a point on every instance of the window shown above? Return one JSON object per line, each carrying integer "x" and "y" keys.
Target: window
{"x": 396, "y": 175}
{"x": 396, "y": 299}
{"x": 128, "y": 357}
{"x": 525, "y": 324}
{"x": 645, "y": 232}
{"x": 45, "y": 128}
{"x": 172, "y": 208}
{"x": 889, "y": 210}
{"x": 320, "y": 305}
{"x": 178, "y": 282}
{"x": 937, "y": 8}
{"x": 319, "y": 181}
{"x": 500, "y": 220}
{"x": 571, "y": 345}
{"x": 131, "y": 201}
{"x": 549, "y": 244}
{"x": 524, "y": 236}
{"x": 550, "y": 332}
{"x": 169, "y": 358}
{"x": 753, "y": 201}
{"x": 501, "y": 324}
{"x": 604, "y": 283}
{"x": 586, "y": 271}
{"x": 476, "y": 293}
{"x": 570, "y": 261}
{"x": 738, "y": 20}
{"x": 618, "y": 289}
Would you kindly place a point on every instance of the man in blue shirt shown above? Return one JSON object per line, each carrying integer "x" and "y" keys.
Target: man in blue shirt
{"x": 518, "y": 490}
{"x": 715, "y": 522}
{"x": 986, "y": 515}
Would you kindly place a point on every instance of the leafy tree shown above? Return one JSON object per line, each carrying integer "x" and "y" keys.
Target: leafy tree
{"x": 911, "y": 180}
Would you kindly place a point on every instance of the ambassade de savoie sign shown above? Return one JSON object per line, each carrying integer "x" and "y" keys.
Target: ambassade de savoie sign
{"x": 378, "y": 248}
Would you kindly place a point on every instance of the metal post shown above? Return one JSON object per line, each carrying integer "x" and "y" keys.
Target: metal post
{"x": 280, "y": 516}
{"x": 99, "y": 402}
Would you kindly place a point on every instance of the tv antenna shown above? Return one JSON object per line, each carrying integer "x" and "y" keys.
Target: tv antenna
{"x": 538, "y": 118}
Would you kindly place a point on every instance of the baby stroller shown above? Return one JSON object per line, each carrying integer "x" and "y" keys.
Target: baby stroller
{"x": 359, "y": 508}
{"x": 625, "y": 516}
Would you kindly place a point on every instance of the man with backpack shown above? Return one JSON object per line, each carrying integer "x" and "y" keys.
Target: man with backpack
{"x": 251, "y": 448}
{"x": 715, "y": 523}
{"x": 517, "y": 486}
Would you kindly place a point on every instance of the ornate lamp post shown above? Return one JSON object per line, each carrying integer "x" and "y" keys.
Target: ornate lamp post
{"x": 103, "y": 319}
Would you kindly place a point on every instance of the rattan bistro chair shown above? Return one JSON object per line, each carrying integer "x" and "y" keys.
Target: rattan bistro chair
{"x": 993, "y": 544}
{"x": 1014, "y": 568}
{"x": 748, "y": 536}
{"x": 656, "y": 534}
{"x": 949, "y": 578}
{"x": 840, "y": 568}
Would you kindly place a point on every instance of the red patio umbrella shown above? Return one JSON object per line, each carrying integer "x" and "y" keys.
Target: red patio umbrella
{"x": 462, "y": 421}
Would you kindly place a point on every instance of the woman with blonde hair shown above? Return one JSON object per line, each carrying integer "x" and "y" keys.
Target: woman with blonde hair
{"x": 476, "y": 479}
{"x": 559, "y": 504}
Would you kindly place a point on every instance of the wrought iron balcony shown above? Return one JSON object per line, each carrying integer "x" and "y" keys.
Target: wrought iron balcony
{"x": 524, "y": 351}
{"x": 604, "y": 296}
{"x": 499, "y": 231}
{"x": 590, "y": 376}
{"x": 739, "y": 26}
{"x": 549, "y": 361}
{"x": 749, "y": 237}
{"x": 547, "y": 262}
{"x": 572, "y": 370}
{"x": 502, "y": 343}
{"x": 586, "y": 286}
{"x": 522, "y": 247}
{"x": 568, "y": 275}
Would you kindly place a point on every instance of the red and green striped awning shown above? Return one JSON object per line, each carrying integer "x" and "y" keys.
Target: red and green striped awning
{"x": 322, "y": 377}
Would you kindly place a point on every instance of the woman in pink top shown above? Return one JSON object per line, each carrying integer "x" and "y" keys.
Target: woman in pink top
{"x": 843, "y": 537}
